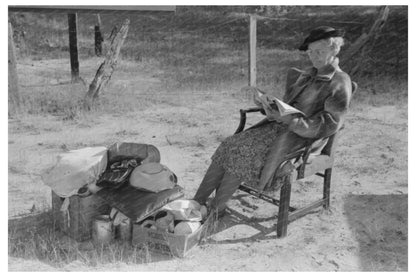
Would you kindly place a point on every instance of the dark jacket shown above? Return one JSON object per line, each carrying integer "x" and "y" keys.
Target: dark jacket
{"x": 324, "y": 97}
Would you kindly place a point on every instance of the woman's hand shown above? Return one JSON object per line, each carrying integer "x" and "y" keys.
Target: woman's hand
{"x": 274, "y": 115}
{"x": 257, "y": 100}
{"x": 270, "y": 114}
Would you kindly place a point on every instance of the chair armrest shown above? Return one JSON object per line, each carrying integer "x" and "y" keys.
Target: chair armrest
{"x": 305, "y": 157}
{"x": 252, "y": 110}
{"x": 327, "y": 150}
{"x": 243, "y": 117}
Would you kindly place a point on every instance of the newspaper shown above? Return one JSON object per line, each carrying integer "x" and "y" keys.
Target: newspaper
{"x": 273, "y": 104}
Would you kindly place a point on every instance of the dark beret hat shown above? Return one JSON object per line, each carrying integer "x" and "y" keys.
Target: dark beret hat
{"x": 322, "y": 32}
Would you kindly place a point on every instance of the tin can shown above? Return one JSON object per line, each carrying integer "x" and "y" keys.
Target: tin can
{"x": 125, "y": 230}
{"x": 103, "y": 230}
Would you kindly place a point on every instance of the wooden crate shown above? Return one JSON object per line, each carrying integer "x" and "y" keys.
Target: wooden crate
{"x": 164, "y": 242}
{"x": 82, "y": 211}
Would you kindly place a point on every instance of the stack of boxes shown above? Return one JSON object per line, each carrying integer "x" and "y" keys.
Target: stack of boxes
{"x": 77, "y": 222}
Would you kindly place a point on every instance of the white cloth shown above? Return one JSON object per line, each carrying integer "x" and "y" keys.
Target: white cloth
{"x": 186, "y": 227}
{"x": 75, "y": 169}
{"x": 183, "y": 209}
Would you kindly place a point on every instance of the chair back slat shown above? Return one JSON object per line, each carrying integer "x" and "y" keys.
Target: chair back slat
{"x": 328, "y": 149}
{"x": 354, "y": 87}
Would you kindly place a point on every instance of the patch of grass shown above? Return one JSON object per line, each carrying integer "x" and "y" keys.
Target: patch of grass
{"x": 193, "y": 76}
{"x": 165, "y": 57}
{"x": 381, "y": 90}
{"x": 44, "y": 93}
{"x": 42, "y": 242}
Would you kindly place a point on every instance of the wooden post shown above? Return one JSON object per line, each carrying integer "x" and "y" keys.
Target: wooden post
{"x": 252, "y": 51}
{"x": 73, "y": 46}
{"x": 98, "y": 38}
{"x": 283, "y": 215}
{"x": 98, "y": 20}
{"x": 327, "y": 187}
{"x": 106, "y": 69}
{"x": 14, "y": 93}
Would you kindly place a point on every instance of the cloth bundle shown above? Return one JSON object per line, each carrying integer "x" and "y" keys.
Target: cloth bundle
{"x": 75, "y": 169}
{"x": 88, "y": 170}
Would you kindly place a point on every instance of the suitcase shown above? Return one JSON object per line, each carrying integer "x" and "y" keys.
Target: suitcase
{"x": 77, "y": 221}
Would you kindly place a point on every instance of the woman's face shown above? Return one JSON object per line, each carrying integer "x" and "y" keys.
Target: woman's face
{"x": 320, "y": 53}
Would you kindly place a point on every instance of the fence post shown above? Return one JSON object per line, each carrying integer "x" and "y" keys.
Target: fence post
{"x": 252, "y": 51}
{"x": 73, "y": 46}
{"x": 98, "y": 38}
{"x": 14, "y": 93}
{"x": 98, "y": 20}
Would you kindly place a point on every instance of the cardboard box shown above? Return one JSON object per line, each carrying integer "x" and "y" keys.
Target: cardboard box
{"x": 77, "y": 222}
{"x": 164, "y": 242}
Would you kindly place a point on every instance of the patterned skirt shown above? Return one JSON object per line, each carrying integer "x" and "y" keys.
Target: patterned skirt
{"x": 243, "y": 155}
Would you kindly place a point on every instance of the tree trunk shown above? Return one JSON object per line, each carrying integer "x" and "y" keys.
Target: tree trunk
{"x": 364, "y": 43}
{"x": 14, "y": 94}
{"x": 106, "y": 69}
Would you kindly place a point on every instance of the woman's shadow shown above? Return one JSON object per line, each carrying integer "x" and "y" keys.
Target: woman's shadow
{"x": 380, "y": 225}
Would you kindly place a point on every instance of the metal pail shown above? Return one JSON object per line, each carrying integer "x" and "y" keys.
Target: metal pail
{"x": 102, "y": 230}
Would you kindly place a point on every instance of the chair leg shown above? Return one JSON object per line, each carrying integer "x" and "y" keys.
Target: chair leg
{"x": 327, "y": 187}
{"x": 283, "y": 216}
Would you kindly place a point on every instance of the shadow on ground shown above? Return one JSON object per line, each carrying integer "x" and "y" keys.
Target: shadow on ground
{"x": 242, "y": 224}
{"x": 380, "y": 225}
{"x": 239, "y": 225}
{"x": 236, "y": 227}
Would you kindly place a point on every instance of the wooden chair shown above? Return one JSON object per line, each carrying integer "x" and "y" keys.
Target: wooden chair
{"x": 321, "y": 166}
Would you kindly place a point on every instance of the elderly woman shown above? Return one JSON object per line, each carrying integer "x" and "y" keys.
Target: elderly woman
{"x": 322, "y": 93}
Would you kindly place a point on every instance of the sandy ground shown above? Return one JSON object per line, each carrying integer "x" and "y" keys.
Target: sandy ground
{"x": 365, "y": 229}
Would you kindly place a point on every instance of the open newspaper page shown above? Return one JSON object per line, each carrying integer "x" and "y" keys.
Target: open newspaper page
{"x": 276, "y": 104}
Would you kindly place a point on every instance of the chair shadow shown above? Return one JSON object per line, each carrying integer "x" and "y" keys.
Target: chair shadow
{"x": 234, "y": 218}
{"x": 380, "y": 225}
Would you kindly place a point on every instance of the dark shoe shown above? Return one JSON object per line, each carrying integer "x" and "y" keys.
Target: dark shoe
{"x": 218, "y": 214}
{"x": 221, "y": 214}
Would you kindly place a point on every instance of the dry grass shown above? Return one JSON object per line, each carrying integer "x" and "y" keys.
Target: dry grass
{"x": 42, "y": 242}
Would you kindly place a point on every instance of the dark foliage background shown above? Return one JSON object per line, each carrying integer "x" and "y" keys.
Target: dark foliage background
{"x": 165, "y": 36}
